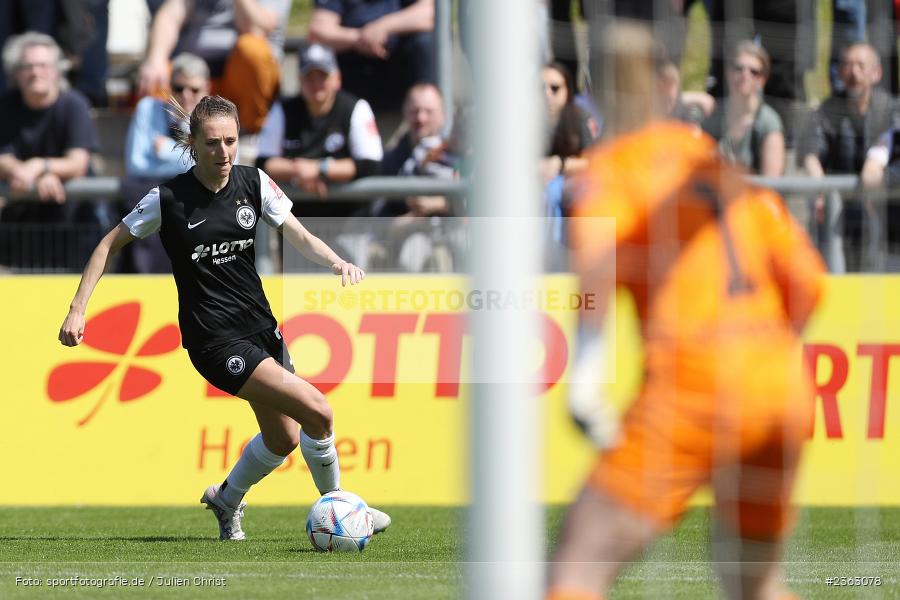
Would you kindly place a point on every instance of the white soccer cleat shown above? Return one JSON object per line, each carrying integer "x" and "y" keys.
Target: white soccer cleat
{"x": 229, "y": 518}
{"x": 380, "y": 520}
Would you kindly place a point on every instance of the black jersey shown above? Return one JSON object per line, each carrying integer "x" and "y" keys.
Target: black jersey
{"x": 347, "y": 131}
{"x": 209, "y": 239}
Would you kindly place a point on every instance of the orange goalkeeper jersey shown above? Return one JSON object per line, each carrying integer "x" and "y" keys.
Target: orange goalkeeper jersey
{"x": 722, "y": 276}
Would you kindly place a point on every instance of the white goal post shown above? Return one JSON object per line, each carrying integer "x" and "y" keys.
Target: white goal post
{"x": 505, "y": 549}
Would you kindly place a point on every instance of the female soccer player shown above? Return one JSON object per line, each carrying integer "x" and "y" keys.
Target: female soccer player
{"x": 723, "y": 281}
{"x": 207, "y": 219}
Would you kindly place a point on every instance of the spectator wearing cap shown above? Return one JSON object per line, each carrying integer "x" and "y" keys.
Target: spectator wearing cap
{"x": 324, "y": 135}
{"x": 384, "y": 46}
{"x": 240, "y": 40}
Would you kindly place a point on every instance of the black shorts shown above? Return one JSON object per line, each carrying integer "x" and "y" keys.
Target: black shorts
{"x": 228, "y": 366}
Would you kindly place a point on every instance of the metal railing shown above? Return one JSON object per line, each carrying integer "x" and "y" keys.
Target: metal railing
{"x": 102, "y": 189}
{"x": 64, "y": 247}
{"x": 796, "y": 184}
{"x": 827, "y": 234}
{"x": 865, "y": 247}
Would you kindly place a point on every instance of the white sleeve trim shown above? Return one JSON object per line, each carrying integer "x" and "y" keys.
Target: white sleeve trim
{"x": 365, "y": 142}
{"x": 276, "y": 206}
{"x": 145, "y": 218}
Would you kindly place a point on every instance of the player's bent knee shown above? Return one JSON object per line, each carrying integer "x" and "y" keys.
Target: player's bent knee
{"x": 319, "y": 421}
{"x": 283, "y": 443}
{"x": 317, "y": 417}
{"x": 323, "y": 417}
{"x": 293, "y": 440}
{"x": 317, "y": 401}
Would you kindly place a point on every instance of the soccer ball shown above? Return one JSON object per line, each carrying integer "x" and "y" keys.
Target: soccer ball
{"x": 339, "y": 522}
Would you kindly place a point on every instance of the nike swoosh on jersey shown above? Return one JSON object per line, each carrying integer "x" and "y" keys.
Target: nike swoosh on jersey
{"x": 192, "y": 225}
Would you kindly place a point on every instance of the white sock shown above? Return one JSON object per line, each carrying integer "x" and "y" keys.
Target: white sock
{"x": 322, "y": 460}
{"x": 256, "y": 462}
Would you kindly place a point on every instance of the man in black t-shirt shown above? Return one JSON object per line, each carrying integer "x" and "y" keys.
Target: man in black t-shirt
{"x": 323, "y": 136}
{"x": 46, "y": 134}
{"x": 46, "y": 138}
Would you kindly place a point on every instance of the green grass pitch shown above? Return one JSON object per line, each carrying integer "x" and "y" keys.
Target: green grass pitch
{"x": 419, "y": 557}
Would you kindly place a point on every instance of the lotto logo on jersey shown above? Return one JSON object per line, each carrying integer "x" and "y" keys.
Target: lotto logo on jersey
{"x": 220, "y": 250}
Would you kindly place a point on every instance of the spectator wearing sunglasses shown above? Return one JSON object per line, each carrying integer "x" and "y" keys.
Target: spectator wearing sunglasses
{"x": 152, "y": 155}
{"x": 749, "y": 131}
{"x": 242, "y": 41}
{"x": 150, "y": 150}
{"x": 571, "y": 130}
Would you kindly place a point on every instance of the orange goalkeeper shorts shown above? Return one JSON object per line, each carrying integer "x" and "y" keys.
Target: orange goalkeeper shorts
{"x": 674, "y": 442}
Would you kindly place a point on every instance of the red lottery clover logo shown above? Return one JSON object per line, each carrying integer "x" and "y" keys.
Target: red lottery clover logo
{"x": 112, "y": 331}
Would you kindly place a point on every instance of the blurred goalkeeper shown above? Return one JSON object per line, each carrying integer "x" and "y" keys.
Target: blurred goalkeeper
{"x": 723, "y": 280}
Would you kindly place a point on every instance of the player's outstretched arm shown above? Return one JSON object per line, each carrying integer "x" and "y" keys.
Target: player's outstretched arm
{"x": 72, "y": 331}
{"x": 318, "y": 251}
{"x": 587, "y": 402}
{"x": 596, "y": 236}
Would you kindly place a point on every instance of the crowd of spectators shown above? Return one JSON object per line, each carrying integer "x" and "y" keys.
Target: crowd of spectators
{"x": 755, "y": 105}
{"x": 366, "y": 58}
{"x": 372, "y": 54}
